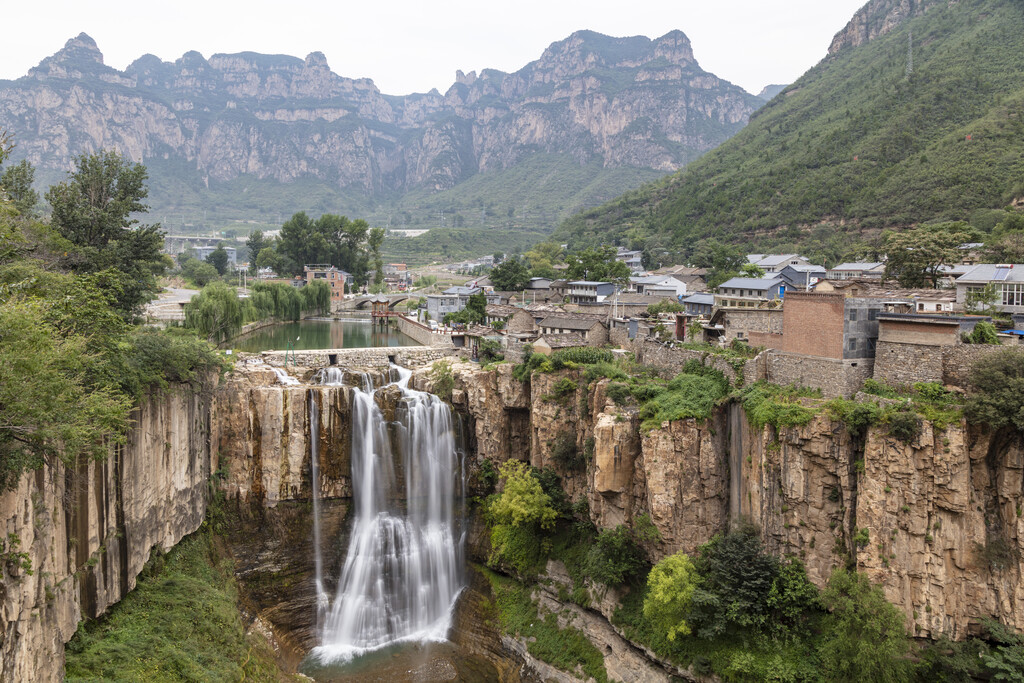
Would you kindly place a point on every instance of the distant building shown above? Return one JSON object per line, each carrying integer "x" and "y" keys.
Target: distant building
{"x": 659, "y": 285}
{"x": 339, "y": 280}
{"x": 588, "y": 292}
{"x": 773, "y": 263}
{"x": 699, "y": 304}
{"x": 845, "y": 271}
{"x": 593, "y": 332}
{"x": 748, "y": 292}
{"x": 202, "y": 253}
{"x": 802, "y": 277}
{"x": 1008, "y": 280}
{"x": 633, "y": 259}
{"x": 539, "y": 283}
{"x": 451, "y": 300}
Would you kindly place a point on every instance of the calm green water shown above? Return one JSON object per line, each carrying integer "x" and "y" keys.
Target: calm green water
{"x": 322, "y": 334}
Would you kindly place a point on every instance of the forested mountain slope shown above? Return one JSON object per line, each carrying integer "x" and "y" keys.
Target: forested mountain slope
{"x": 860, "y": 142}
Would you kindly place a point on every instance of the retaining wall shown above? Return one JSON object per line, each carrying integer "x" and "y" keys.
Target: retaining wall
{"x": 406, "y": 356}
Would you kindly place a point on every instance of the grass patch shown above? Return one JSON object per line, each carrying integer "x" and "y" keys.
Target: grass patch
{"x": 770, "y": 404}
{"x": 564, "y": 648}
{"x": 181, "y": 623}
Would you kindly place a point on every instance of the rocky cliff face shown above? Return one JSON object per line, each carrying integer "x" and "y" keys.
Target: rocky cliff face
{"x": 877, "y": 18}
{"x": 628, "y": 101}
{"x": 942, "y": 514}
{"x": 88, "y": 530}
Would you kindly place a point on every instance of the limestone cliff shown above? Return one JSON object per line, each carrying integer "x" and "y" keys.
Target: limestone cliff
{"x": 942, "y": 514}
{"x": 89, "y": 529}
{"x": 877, "y": 18}
{"x": 630, "y": 102}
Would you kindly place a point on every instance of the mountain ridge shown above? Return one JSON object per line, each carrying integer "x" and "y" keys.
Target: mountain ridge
{"x": 858, "y": 144}
{"x": 206, "y": 125}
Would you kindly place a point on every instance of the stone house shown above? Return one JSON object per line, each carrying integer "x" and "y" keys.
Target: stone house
{"x": 451, "y": 300}
{"x": 593, "y": 332}
{"x": 548, "y": 343}
{"x": 752, "y": 325}
{"x": 515, "y": 319}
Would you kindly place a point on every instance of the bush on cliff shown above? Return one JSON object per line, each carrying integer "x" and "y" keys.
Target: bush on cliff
{"x": 517, "y": 518}
{"x": 864, "y": 638}
{"x": 997, "y": 381}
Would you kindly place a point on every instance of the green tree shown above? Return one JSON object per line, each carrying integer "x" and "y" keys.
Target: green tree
{"x": 518, "y": 517}
{"x": 93, "y": 209}
{"x": 216, "y": 313}
{"x": 983, "y": 333}
{"x": 199, "y": 272}
{"x": 510, "y": 276}
{"x": 863, "y": 638}
{"x": 983, "y": 301}
{"x": 255, "y": 243}
{"x": 670, "y": 588}
{"x": 218, "y": 258}
{"x": 752, "y": 270}
{"x": 329, "y": 239}
{"x": 597, "y": 265}
{"x": 997, "y": 399}
{"x": 721, "y": 261}
{"x": 374, "y": 241}
{"x": 17, "y": 181}
{"x": 48, "y": 409}
{"x": 915, "y": 256}
{"x": 615, "y": 557}
{"x": 1006, "y": 243}
{"x": 737, "y": 577}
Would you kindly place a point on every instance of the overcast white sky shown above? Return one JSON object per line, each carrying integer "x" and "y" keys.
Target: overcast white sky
{"x": 415, "y": 45}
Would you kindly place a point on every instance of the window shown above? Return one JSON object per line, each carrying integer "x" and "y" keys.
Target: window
{"x": 1013, "y": 294}
{"x": 873, "y": 314}
{"x": 852, "y": 345}
{"x": 853, "y": 315}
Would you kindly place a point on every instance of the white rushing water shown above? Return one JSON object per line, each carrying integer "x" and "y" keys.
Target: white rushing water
{"x": 403, "y": 567}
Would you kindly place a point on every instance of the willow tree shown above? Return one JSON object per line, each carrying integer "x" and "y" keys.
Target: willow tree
{"x": 216, "y": 313}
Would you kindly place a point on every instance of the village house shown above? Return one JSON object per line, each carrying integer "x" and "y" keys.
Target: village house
{"x": 451, "y": 300}
{"x": 593, "y": 332}
{"x": 846, "y": 271}
{"x": 699, "y": 304}
{"x": 589, "y": 292}
{"x": 633, "y": 259}
{"x": 774, "y": 263}
{"x": 802, "y": 277}
{"x": 1007, "y": 279}
{"x": 339, "y": 280}
{"x": 748, "y": 292}
{"x": 514, "y": 320}
{"x": 548, "y": 343}
{"x": 659, "y": 285}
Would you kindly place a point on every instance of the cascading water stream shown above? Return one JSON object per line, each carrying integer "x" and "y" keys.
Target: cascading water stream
{"x": 403, "y": 568}
{"x": 328, "y": 377}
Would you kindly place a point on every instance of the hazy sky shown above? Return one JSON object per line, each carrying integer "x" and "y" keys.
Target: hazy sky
{"x": 413, "y": 46}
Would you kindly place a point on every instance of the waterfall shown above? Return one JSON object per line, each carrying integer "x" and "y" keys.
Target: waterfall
{"x": 327, "y": 377}
{"x": 403, "y": 567}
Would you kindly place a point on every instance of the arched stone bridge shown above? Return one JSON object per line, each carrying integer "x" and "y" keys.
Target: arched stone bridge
{"x": 362, "y": 303}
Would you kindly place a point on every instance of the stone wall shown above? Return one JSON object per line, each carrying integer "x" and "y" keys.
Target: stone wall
{"x": 421, "y": 333}
{"x": 835, "y": 378}
{"x": 406, "y": 356}
{"x": 673, "y": 359}
{"x": 88, "y": 529}
{"x": 900, "y": 364}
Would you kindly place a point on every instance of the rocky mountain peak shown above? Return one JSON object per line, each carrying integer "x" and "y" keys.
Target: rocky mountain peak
{"x": 79, "y": 57}
{"x": 879, "y": 17}
{"x": 675, "y": 47}
{"x": 317, "y": 59}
